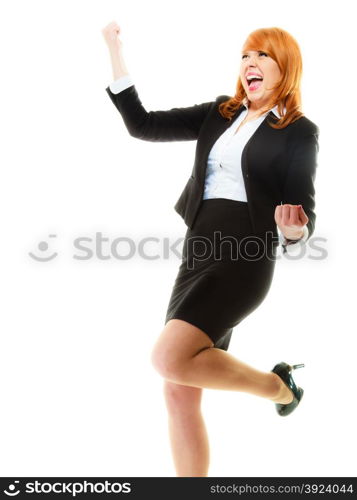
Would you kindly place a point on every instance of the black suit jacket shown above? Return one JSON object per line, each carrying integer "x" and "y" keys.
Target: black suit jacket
{"x": 277, "y": 165}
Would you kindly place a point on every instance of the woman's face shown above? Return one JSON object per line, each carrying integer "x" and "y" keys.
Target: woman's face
{"x": 261, "y": 64}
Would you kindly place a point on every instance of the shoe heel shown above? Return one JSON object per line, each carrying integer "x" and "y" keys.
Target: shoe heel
{"x": 293, "y": 367}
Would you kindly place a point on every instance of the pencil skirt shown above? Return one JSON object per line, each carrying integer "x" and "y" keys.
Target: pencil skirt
{"x": 225, "y": 273}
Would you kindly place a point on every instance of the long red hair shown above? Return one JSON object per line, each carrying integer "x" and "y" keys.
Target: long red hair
{"x": 284, "y": 49}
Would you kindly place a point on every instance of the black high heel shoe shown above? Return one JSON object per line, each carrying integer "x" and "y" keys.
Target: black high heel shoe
{"x": 284, "y": 371}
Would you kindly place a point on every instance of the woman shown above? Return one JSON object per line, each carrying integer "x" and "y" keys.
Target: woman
{"x": 254, "y": 171}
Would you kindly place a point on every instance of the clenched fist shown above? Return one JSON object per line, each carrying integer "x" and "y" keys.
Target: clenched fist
{"x": 111, "y": 35}
{"x": 291, "y": 219}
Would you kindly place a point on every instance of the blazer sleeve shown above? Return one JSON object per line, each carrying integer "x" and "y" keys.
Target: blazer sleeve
{"x": 299, "y": 184}
{"x": 176, "y": 124}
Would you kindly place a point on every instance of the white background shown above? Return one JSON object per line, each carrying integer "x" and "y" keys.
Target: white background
{"x": 79, "y": 394}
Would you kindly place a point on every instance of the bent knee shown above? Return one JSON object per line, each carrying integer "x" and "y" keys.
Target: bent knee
{"x": 178, "y": 343}
{"x": 167, "y": 364}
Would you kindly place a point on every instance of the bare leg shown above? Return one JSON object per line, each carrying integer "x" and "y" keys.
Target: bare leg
{"x": 187, "y": 430}
{"x": 184, "y": 355}
{"x": 217, "y": 369}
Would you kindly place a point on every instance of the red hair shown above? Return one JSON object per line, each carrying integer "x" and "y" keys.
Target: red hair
{"x": 284, "y": 49}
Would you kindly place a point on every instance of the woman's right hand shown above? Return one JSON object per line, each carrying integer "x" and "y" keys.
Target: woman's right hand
{"x": 111, "y": 35}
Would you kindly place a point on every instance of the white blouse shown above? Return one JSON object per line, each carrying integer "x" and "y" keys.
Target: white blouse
{"x": 224, "y": 178}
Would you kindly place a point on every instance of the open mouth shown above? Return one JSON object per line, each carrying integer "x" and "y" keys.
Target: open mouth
{"x": 254, "y": 83}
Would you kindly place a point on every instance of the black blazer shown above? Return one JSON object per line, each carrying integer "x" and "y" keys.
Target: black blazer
{"x": 277, "y": 165}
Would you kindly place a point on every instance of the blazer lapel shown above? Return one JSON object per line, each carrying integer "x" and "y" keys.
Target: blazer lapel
{"x": 219, "y": 126}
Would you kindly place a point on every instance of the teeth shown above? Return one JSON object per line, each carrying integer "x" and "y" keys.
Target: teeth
{"x": 250, "y": 77}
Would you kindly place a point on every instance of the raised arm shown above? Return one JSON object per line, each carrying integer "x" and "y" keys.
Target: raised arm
{"x": 115, "y": 46}
{"x": 176, "y": 124}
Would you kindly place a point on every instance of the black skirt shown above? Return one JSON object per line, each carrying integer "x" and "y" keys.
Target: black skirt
{"x": 225, "y": 272}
